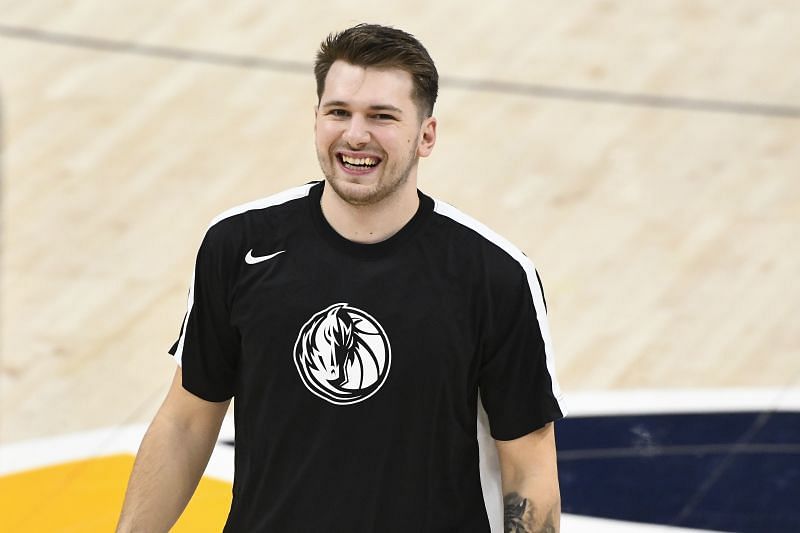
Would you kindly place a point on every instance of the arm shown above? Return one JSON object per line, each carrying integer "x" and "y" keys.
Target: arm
{"x": 531, "y": 498}
{"x": 171, "y": 459}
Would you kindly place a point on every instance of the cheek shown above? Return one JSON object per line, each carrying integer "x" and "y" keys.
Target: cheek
{"x": 324, "y": 134}
{"x": 393, "y": 140}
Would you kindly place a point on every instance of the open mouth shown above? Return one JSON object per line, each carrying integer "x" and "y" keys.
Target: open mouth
{"x": 358, "y": 165}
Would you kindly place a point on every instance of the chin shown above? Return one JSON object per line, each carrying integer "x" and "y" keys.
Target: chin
{"x": 358, "y": 193}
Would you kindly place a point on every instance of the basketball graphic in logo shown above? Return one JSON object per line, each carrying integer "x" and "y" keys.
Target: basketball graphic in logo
{"x": 342, "y": 354}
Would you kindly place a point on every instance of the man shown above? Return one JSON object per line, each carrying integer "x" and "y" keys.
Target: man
{"x": 355, "y": 321}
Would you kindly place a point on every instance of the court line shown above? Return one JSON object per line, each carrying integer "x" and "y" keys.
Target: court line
{"x": 690, "y": 449}
{"x": 471, "y": 84}
{"x": 600, "y": 96}
{"x": 675, "y": 401}
{"x": 720, "y": 469}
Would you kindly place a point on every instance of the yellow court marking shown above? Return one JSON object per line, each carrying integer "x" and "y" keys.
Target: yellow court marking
{"x": 86, "y": 496}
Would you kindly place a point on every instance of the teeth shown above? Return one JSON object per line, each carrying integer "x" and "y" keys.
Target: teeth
{"x": 362, "y": 161}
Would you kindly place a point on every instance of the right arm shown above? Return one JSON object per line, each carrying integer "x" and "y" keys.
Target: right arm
{"x": 171, "y": 459}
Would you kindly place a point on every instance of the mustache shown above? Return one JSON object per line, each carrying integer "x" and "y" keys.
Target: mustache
{"x": 367, "y": 149}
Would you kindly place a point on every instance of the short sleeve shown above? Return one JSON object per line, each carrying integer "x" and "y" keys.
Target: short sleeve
{"x": 517, "y": 379}
{"x": 208, "y": 345}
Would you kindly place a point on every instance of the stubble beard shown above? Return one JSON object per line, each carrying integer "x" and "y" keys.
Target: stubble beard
{"x": 388, "y": 183}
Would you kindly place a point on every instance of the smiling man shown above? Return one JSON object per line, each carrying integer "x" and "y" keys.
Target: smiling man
{"x": 366, "y": 332}
{"x": 368, "y": 133}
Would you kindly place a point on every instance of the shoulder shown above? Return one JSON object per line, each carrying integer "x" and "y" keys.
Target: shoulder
{"x": 259, "y": 222}
{"x": 478, "y": 240}
{"x": 262, "y": 207}
{"x": 256, "y": 220}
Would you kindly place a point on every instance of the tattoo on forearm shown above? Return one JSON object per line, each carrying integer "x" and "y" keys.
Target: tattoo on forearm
{"x": 514, "y": 510}
{"x": 518, "y": 516}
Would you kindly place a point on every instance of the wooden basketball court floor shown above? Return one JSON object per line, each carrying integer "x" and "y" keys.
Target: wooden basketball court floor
{"x": 644, "y": 154}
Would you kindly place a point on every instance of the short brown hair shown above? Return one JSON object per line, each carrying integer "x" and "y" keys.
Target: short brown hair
{"x": 371, "y": 45}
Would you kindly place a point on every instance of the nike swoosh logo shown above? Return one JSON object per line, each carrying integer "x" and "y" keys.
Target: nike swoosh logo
{"x": 253, "y": 260}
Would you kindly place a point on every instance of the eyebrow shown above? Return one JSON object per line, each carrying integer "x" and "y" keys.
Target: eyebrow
{"x": 374, "y": 107}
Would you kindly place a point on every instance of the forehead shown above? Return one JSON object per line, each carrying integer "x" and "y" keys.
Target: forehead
{"x": 367, "y": 85}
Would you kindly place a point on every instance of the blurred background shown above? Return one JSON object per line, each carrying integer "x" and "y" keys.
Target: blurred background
{"x": 644, "y": 155}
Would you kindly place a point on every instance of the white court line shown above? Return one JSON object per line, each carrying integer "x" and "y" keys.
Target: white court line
{"x": 661, "y": 401}
{"x": 584, "y": 524}
{"x": 48, "y": 451}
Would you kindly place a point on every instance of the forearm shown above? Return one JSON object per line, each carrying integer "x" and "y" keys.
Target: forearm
{"x": 531, "y": 497}
{"x": 531, "y": 505}
{"x": 168, "y": 466}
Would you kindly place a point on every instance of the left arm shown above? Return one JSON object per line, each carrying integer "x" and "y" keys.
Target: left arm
{"x": 531, "y": 498}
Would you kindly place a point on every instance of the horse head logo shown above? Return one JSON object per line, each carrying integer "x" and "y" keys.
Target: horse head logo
{"x": 342, "y": 354}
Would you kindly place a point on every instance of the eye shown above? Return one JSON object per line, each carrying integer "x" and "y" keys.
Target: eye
{"x": 385, "y": 116}
{"x": 338, "y": 113}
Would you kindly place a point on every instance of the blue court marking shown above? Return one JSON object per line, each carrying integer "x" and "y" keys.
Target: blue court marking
{"x": 736, "y": 472}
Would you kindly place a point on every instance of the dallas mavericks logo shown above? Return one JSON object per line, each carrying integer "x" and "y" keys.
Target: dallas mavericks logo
{"x": 342, "y": 354}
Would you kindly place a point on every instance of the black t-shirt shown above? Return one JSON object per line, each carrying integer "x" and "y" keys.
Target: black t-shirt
{"x": 356, "y": 367}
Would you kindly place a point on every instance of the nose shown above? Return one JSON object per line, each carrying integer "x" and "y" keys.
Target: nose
{"x": 357, "y": 134}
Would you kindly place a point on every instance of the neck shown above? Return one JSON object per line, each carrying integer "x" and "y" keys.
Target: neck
{"x": 371, "y": 223}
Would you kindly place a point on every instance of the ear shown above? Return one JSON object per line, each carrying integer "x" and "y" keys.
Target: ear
{"x": 427, "y": 138}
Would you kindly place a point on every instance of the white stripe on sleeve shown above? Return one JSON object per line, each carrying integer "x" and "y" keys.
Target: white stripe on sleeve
{"x": 451, "y": 212}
